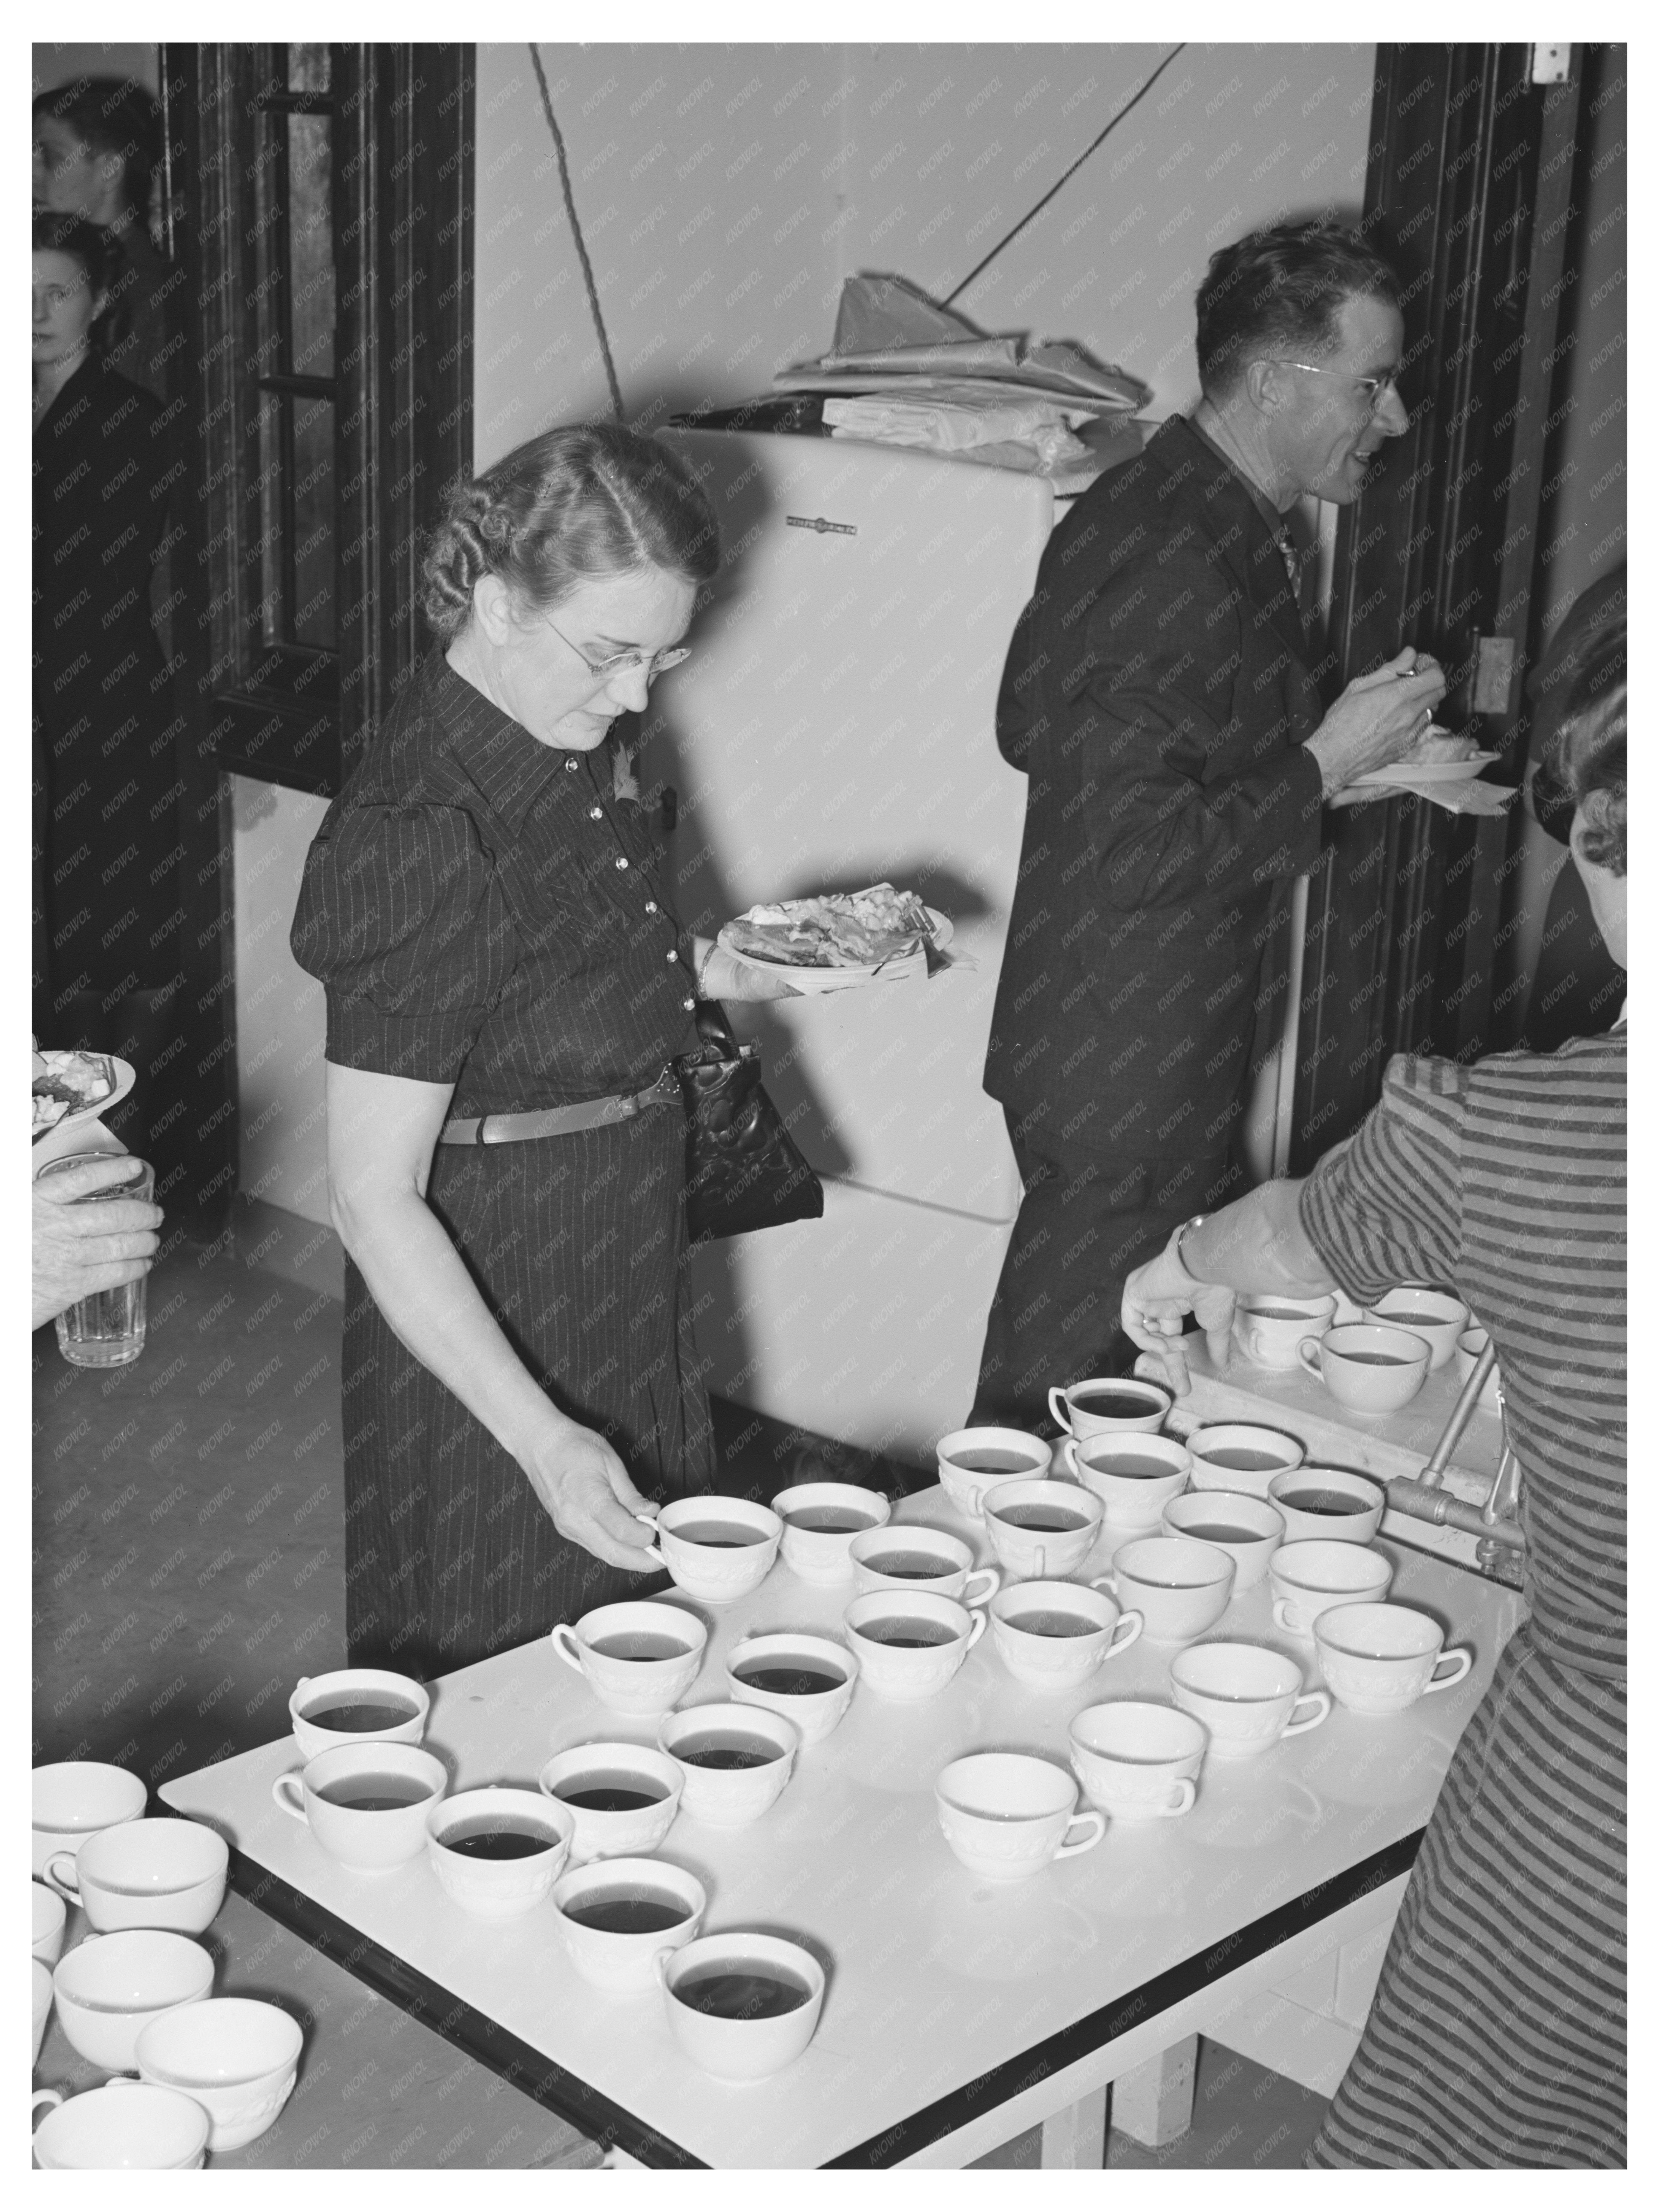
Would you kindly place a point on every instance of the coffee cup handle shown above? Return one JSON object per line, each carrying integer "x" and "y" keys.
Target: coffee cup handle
{"x": 1321, "y": 1702}
{"x": 1186, "y": 1797}
{"x": 64, "y": 1884}
{"x": 659, "y": 1968}
{"x": 563, "y": 1640}
{"x": 50, "y": 2098}
{"x": 1461, "y": 1660}
{"x": 992, "y": 1578}
{"x": 653, "y": 1551}
{"x": 1094, "y": 1822}
{"x": 1126, "y": 1630}
{"x": 1282, "y": 1616}
{"x": 288, "y": 1794}
{"x": 1308, "y": 1352}
{"x": 1066, "y": 1457}
{"x": 1042, "y": 1563}
{"x": 1108, "y": 1582}
{"x": 977, "y": 1629}
{"x": 1060, "y": 1411}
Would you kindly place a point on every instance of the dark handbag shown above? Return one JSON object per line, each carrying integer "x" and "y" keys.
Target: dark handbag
{"x": 743, "y": 1169}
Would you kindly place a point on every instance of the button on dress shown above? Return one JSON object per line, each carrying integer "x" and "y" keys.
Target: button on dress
{"x": 484, "y": 910}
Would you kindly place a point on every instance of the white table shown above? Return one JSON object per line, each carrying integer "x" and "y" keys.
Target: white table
{"x": 958, "y": 2013}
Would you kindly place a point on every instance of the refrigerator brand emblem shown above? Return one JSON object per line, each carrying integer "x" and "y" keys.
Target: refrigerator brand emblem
{"x": 817, "y": 522}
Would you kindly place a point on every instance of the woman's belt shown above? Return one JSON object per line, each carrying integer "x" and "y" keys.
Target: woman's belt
{"x": 560, "y": 1121}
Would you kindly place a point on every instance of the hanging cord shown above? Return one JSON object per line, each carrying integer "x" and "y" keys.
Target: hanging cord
{"x": 576, "y": 231}
{"x": 1132, "y": 101}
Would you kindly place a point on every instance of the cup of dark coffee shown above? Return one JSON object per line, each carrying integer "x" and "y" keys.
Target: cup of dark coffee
{"x": 741, "y": 2007}
{"x": 1133, "y": 1476}
{"x": 972, "y": 1462}
{"x": 366, "y": 1803}
{"x": 820, "y": 1520}
{"x": 909, "y": 1647}
{"x": 1042, "y": 1530}
{"x": 1245, "y": 1527}
{"x": 1053, "y": 1635}
{"x": 717, "y": 1549}
{"x": 622, "y": 1797}
{"x": 1319, "y": 1501}
{"x": 356, "y": 1705}
{"x": 910, "y": 1555}
{"x": 734, "y": 1760}
{"x": 498, "y": 1852}
{"x": 808, "y": 1679}
{"x": 619, "y": 1917}
{"x": 1241, "y": 1456}
{"x": 1104, "y": 1405}
{"x": 1267, "y": 1329}
{"x": 1368, "y": 1368}
{"x": 640, "y": 1656}
{"x": 1435, "y": 1316}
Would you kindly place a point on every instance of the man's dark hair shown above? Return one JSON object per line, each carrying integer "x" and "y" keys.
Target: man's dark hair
{"x": 1279, "y": 292}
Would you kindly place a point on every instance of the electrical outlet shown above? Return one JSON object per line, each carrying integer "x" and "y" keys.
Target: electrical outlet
{"x": 1496, "y": 669}
{"x": 1550, "y": 64}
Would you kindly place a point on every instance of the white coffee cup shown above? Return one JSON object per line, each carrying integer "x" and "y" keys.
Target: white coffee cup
{"x": 820, "y": 1555}
{"x": 1139, "y": 1761}
{"x": 1049, "y": 1661}
{"x": 1046, "y": 1553}
{"x": 1007, "y": 1815}
{"x": 1248, "y": 1697}
{"x": 1081, "y": 1407}
{"x": 1380, "y": 1659}
{"x": 364, "y": 1686}
{"x": 109, "y": 1988}
{"x": 146, "y": 1874}
{"x": 907, "y": 1672}
{"x": 626, "y": 1831}
{"x": 1367, "y": 1368}
{"x": 1351, "y": 1506}
{"x": 1245, "y": 1527}
{"x": 813, "y": 1712}
{"x": 638, "y": 1687}
{"x": 1471, "y": 1343}
{"x": 616, "y": 1960}
{"x": 1117, "y": 1470}
{"x": 237, "y": 2056}
{"x": 123, "y": 2126}
{"x": 1241, "y": 1456}
{"x": 1310, "y": 1576}
{"x": 1179, "y": 1587}
{"x": 1267, "y": 1329}
{"x": 498, "y": 1889}
{"x": 40, "y": 2001}
{"x": 1435, "y": 1316}
{"x": 741, "y": 2050}
{"x": 717, "y": 1572}
{"x": 47, "y": 1935}
{"x": 966, "y": 1478}
{"x": 367, "y": 1841}
{"x": 73, "y": 1799}
{"x": 949, "y": 1563}
{"x": 731, "y": 1797}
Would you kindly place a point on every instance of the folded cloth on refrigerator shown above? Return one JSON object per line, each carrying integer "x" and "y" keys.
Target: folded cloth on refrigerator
{"x": 944, "y": 427}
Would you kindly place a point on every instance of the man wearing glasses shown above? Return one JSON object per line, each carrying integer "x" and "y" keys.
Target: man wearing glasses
{"x": 1159, "y": 696}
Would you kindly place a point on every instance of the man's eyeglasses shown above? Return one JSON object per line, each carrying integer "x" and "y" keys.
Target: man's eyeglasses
{"x": 625, "y": 663}
{"x": 1373, "y": 387}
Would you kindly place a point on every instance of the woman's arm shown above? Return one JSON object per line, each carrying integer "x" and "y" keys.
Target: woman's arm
{"x": 1257, "y": 1245}
{"x": 381, "y": 1131}
{"x": 718, "y": 976}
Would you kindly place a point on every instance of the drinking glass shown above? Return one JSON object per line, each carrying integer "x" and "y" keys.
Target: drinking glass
{"x": 107, "y": 1329}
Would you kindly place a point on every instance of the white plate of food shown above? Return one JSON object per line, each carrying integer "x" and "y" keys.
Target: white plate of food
{"x": 1438, "y": 757}
{"x": 71, "y": 1089}
{"x": 840, "y": 941}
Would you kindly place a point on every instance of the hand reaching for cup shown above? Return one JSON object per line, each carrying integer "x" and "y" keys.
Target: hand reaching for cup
{"x": 1377, "y": 720}
{"x": 587, "y": 1493}
{"x": 1157, "y": 1298}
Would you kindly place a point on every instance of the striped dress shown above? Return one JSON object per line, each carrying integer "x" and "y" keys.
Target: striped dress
{"x": 1496, "y": 2036}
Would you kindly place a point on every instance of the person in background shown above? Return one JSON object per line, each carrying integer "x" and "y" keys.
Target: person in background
{"x": 1497, "y": 2034}
{"x": 98, "y": 147}
{"x": 103, "y": 762}
{"x": 1159, "y": 699}
{"x": 1577, "y": 984}
{"x": 487, "y": 906}
{"x": 79, "y": 1250}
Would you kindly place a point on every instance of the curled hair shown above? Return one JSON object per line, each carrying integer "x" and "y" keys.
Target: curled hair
{"x": 1282, "y": 289}
{"x": 1586, "y": 756}
{"x": 595, "y": 499}
{"x": 99, "y": 252}
{"x": 113, "y": 115}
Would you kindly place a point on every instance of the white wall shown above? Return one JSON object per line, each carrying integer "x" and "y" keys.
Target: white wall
{"x": 279, "y": 1008}
{"x": 724, "y": 191}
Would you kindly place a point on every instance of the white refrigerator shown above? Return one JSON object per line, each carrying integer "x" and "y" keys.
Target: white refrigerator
{"x": 835, "y": 727}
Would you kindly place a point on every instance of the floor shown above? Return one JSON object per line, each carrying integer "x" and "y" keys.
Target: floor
{"x": 188, "y": 1567}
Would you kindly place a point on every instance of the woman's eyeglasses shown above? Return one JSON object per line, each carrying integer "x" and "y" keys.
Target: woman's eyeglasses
{"x": 625, "y": 663}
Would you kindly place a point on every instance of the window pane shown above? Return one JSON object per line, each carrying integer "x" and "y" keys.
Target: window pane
{"x": 265, "y": 498}
{"x": 310, "y": 246}
{"x": 307, "y": 69}
{"x": 312, "y": 621}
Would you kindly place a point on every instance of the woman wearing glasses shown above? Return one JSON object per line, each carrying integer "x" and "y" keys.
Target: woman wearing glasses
{"x": 506, "y": 985}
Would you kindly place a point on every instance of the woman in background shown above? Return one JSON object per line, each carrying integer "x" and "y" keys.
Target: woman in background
{"x": 1497, "y": 2034}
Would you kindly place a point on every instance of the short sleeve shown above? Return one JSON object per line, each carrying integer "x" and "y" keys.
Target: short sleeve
{"x": 401, "y": 919}
{"x": 1386, "y": 1208}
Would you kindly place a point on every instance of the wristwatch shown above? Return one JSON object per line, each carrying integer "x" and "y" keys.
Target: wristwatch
{"x": 1197, "y": 1221}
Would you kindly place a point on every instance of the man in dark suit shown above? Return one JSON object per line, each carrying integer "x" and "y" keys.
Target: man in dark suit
{"x": 1159, "y": 696}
